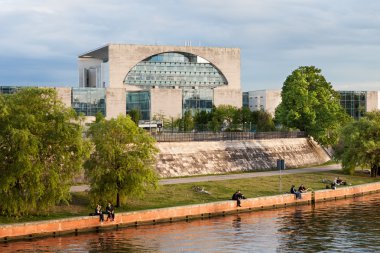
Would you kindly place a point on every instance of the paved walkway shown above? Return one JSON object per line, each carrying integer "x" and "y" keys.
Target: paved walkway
{"x": 81, "y": 188}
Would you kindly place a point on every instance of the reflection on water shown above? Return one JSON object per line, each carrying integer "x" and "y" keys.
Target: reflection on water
{"x": 351, "y": 225}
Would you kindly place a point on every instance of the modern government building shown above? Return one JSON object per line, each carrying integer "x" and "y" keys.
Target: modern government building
{"x": 156, "y": 80}
{"x": 170, "y": 80}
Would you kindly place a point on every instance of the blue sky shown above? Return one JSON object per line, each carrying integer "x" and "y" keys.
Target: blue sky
{"x": 40, "y": 40}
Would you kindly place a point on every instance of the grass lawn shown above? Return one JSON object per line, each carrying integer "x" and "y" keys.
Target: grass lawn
{"x": 184, "y": 194}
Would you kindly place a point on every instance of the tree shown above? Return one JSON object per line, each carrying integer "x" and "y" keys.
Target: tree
{"x": 186, "y": 123}
{"x": 243, "y": 117}
{"x": 263, "y": 121}
{"x": 222, "y": 118}
{"x": 310, "y": 104}
{"x": 359, "y": 144}
{"x": 41, "y": 150}
{"x": 135, "y": 115}
{"x": 201, "y": 119}
{"x": 121, "y": 164}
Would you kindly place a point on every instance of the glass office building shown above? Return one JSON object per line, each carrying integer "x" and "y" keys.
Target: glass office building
{"x": 197, "y": 100}
{"x": 354, "y": 102}
{"x": 139, "y": 100}
{"x": 194, "y": 75}
{"x": 9, "y": 89}
{"x": 172, "y": 79}
{"x": 88, "y": 101}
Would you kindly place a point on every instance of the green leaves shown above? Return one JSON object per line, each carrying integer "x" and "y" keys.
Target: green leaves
{"x": 310, "y": 104}
{"x": 41, "y": 150}
{"x": 122, "y": 162}
{"x": 359, "y": 144}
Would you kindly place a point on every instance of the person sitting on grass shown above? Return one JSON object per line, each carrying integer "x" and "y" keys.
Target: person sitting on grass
{"x": 295, "y": 192}
{"x": 238, "y": 196}
{"x": 110, "y": 211}
{"x": 340, "y": 181}
{"x": 98, "y": 211}
{"x": 302, "y": 189}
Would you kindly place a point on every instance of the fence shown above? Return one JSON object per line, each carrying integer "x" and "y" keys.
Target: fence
{"x": 224, "y": 136}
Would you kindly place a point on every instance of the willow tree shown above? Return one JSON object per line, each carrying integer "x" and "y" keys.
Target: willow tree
{"x": 41, "y": 150}
{"x": 310, "y": 104}
{"x": 122, "y": 162}
{"x": 359, "y": 144}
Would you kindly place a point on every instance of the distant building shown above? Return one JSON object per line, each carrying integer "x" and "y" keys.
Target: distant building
{"x": 356, "y": 103}
{"x": 156, "y": 80}
{"x": 266, "y": 100}
{"x": 162, "y": 80}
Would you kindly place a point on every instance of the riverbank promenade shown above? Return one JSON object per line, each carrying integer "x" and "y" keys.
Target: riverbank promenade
{"x": 195, "y": 179}
{"x": 196, "y": 211}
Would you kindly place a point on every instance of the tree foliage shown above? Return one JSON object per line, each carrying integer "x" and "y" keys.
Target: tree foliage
{"x": 263, "y": 121}
{"x": 359, "y": 144}
{"x": 121, "y": 164}
{"x": 41, "y": 150}
{"x": 135, "y": 115}
{"x": 310, "y": 104}
{"x": 225, "y": 118}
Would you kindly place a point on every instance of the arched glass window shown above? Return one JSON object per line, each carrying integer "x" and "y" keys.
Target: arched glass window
{"x": 175, "y": 68}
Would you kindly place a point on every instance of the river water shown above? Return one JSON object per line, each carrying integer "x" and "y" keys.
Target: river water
{"x": 350, "y": 225}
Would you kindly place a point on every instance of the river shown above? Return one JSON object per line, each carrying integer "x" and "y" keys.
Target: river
{"x": 350, "y": 225}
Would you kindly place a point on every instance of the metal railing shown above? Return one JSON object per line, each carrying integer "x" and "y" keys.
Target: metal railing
{"x": 224, "y": 136}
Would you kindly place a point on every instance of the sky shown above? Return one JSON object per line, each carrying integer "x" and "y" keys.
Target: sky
{"x": 41, "y": 40}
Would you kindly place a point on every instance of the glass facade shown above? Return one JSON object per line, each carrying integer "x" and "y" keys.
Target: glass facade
{"x": 246, "y": 99}
{"x": 354, "y": 102}
{"x": 89, "y": 101}
{"x": 9, "y": 89}
{"x": 175, "y": 69}
{"x": 139, "y": 100}
{"x": 197, "y": 100}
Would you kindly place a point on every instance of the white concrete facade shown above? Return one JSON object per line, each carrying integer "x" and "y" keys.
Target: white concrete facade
{"x": 266, "y": 100}
{"x": 109, "y": 66}
{"x": 373, "y": 100}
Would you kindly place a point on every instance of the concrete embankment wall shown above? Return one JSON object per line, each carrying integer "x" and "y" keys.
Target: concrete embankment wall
{"x": 88, "y": 223}
{"x": 215, "y": 157}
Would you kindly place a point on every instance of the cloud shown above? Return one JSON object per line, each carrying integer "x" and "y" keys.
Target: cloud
{"x": 42, "y": 39}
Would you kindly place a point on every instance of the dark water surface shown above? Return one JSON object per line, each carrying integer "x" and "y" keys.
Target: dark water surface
{"x": 351, "y": 225}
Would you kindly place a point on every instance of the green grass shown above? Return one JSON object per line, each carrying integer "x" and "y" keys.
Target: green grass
{"x": 183, "y": 194}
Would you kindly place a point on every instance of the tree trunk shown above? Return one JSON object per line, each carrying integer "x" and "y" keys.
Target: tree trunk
{"x": 374, "y": 171}
{"x": 117, "y": 199}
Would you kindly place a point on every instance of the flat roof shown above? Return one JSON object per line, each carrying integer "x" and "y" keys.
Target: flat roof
{"x": 99, "y": 53}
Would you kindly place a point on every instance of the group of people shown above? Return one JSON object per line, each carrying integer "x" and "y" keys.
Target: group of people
{"x": 238, "y": 196}
{"x": 110, "y": 211}
{"x": 337, "y": 181}
{"x": 298, "y": 193}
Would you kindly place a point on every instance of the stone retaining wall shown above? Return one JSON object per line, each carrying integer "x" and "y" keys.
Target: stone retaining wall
{"x": 215, "y": 157}
{"x": 87, "y": 223}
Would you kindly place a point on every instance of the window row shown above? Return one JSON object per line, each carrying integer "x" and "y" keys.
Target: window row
{"x": 175, "y": 68}
{"x": 187, "y": 73}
